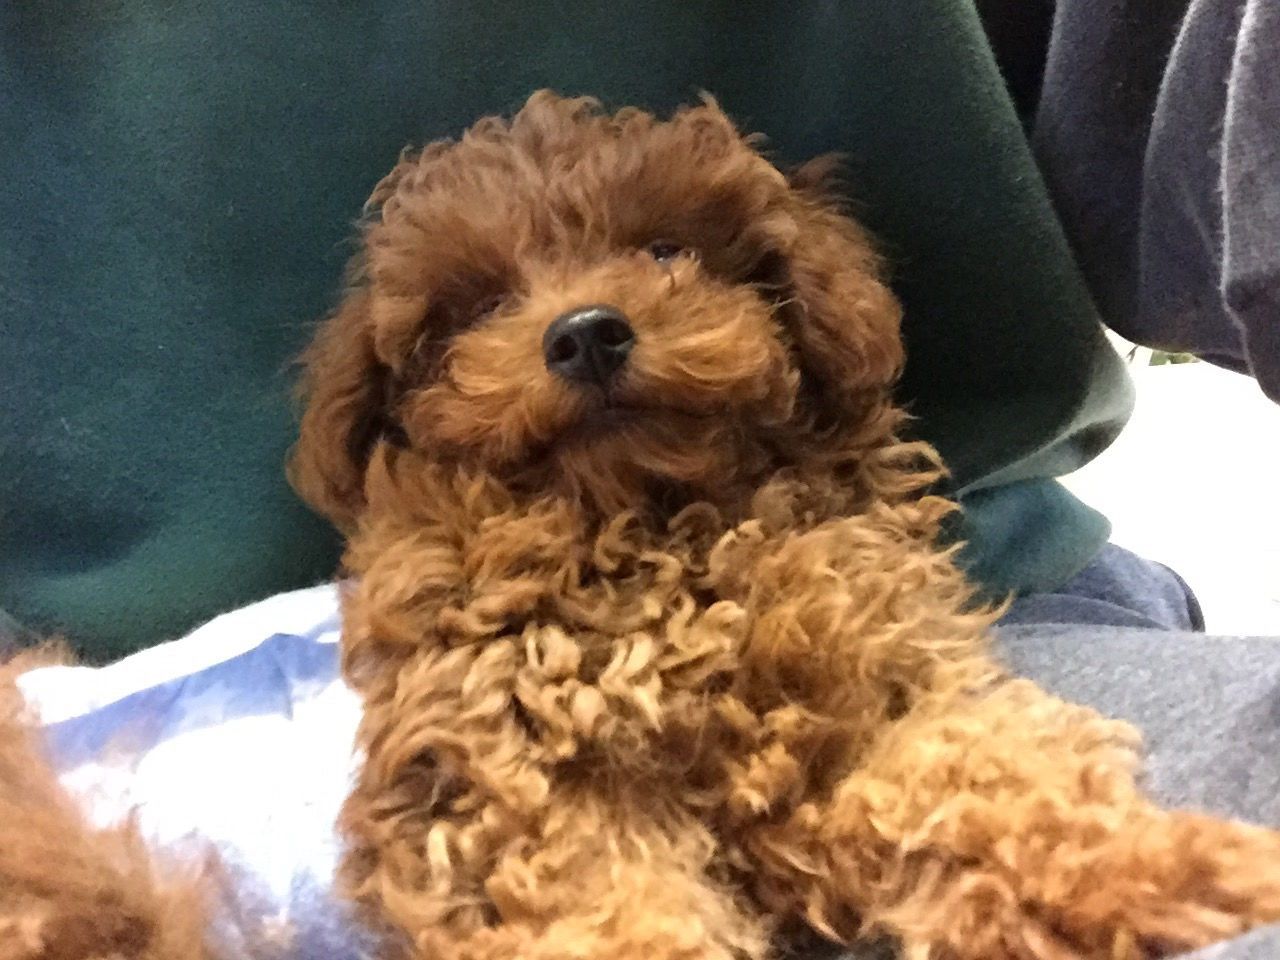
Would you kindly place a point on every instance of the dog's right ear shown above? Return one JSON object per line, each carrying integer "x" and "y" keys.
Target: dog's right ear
{"x": 344, "y": 389}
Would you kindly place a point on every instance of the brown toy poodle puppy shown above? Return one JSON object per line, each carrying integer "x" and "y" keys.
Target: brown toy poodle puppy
{"x": 658, "y": 648}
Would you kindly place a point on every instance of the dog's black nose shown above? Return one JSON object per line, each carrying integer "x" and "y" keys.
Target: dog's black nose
{"x": 588, "y": 345}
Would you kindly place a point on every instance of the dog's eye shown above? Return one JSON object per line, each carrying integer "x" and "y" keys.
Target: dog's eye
{"x": 663, "y": 250}
{"x": 487, "y": 305}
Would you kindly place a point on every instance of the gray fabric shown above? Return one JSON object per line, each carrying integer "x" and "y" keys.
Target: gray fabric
{"x": 1117, "y": 589}
{"x": 1208, "y": 707}
{"x": 1209, "y": 710}
{"x": 1259, "y": 945}
{"x": 1101, "y": 77}
{"x": 1158, "y": 131}
{"x": 1180, "y": 235}
{"x": 1251, "y": 186}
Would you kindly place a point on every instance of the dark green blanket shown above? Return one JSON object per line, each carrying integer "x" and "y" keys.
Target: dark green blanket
{"x": 177, "y": 185}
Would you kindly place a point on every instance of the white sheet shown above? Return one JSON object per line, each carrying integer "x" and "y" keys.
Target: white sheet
{"x": 238, "y": 736}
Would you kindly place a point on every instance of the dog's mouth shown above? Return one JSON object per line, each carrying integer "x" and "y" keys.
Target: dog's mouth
{"x": 613, "y": 421}
{"x": 610, "y": 415}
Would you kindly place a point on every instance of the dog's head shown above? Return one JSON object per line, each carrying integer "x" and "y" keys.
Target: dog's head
{"x": 597, "y": 304}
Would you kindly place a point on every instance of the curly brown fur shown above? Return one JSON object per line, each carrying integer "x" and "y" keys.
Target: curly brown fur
{"x": 663, "y": 669}
{"x": 653, "y": 670}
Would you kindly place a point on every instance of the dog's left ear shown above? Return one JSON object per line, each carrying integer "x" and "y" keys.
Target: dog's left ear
{"x": 344, "y": 390}
{"x": 846, "y": 320}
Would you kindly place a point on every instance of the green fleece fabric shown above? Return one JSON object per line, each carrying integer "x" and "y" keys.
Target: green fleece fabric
{"x": 177, "y": 185}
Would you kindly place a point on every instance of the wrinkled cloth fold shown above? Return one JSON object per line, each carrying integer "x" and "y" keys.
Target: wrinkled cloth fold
{"x": 1158, "y": 132}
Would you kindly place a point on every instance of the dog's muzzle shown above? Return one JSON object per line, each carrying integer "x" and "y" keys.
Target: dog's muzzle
{"x": 588, "y": 345}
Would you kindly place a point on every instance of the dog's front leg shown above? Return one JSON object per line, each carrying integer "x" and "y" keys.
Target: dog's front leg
{"x": 1009, "y": 827}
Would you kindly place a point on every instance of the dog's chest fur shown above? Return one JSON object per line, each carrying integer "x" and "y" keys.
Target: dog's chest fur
{"x": 734, "y": 665}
